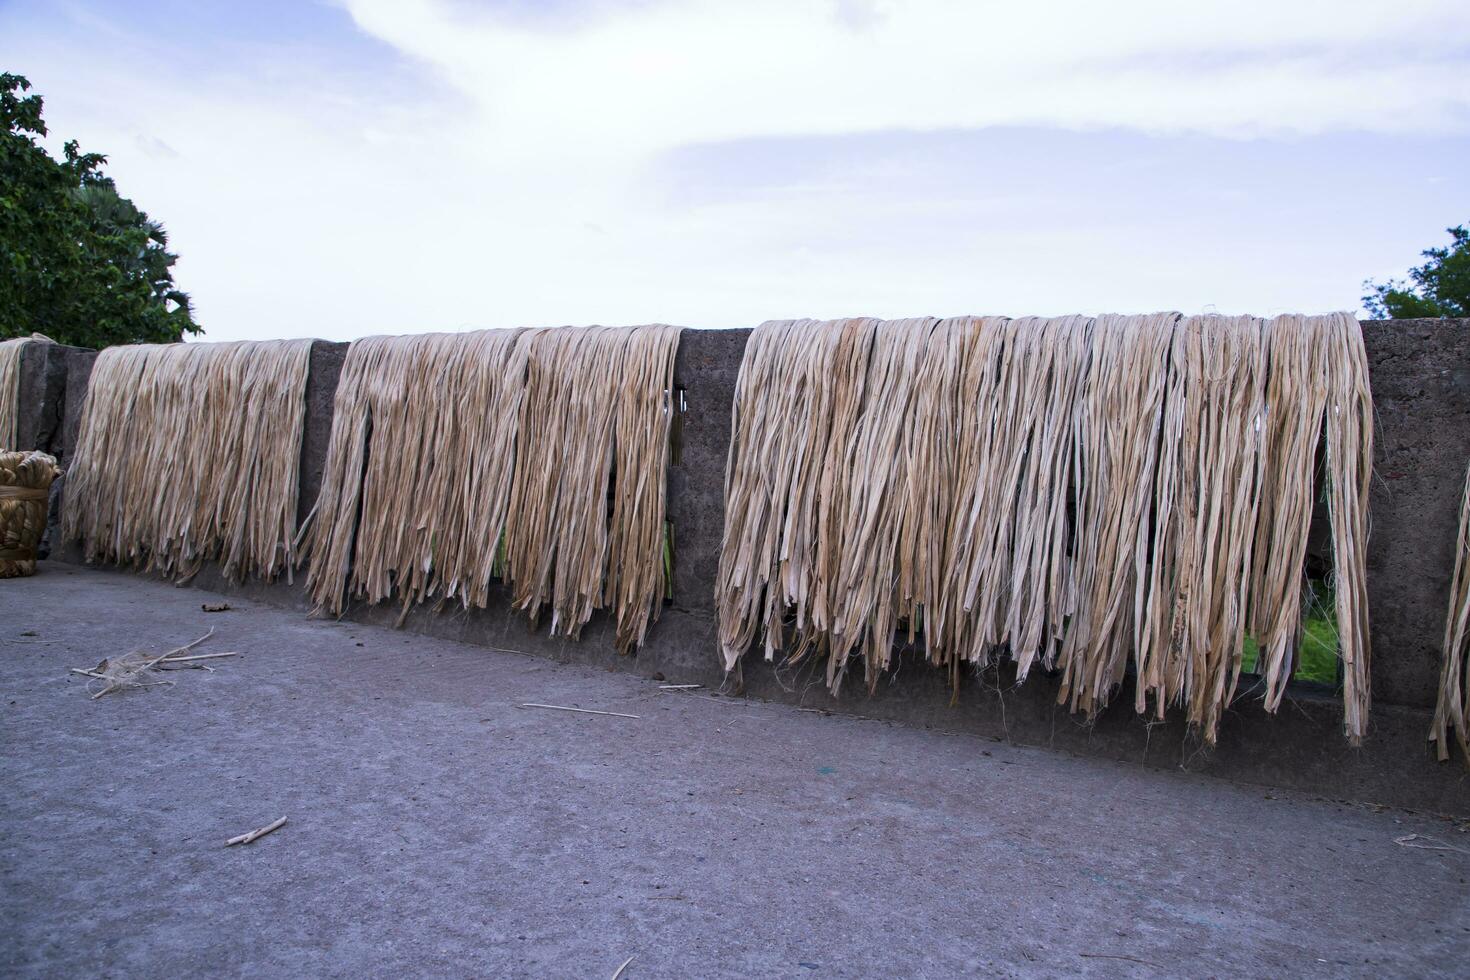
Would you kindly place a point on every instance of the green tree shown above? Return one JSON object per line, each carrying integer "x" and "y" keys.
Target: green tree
{"x": 1439, "y": 287}
{"x": 78, "y": 262}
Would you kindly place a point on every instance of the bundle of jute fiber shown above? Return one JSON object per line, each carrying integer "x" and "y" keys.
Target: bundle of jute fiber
{"x": 1005, "y": 575}
{"x": 771, "y": 473}
{"x": 25, "y": 486}
{"x": 188, "y": 453}
{"x": 802, "y": 382}
{"x": 419, "y": 466}
{"x": 1118, "y": 429}
{"x": 1452, "y": 713}
{"x": 598, "y": 413}
{"x": 1191, "y": 633}
{"x": 1296, "y": 399}
{"x": 1348, "y": 462}
{"x": 11, "y": 353}
{"x": 1083, "y": 493}
{"x": 534, "y": 456}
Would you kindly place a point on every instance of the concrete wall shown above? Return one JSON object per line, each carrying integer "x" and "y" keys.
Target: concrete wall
{"x": 42, "y": 395}
{"x": 1421, "y": 383}
{"x": 1420, "y": 371}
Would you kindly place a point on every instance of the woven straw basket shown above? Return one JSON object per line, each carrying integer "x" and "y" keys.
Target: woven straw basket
{"x": 25, "y": 486}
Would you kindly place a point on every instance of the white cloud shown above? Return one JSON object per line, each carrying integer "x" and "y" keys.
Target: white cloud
{"x": 668, "y": 73}
{"x": 517, "y": 170}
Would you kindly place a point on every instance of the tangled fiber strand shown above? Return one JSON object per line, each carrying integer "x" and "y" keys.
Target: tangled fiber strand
{"x": 132, "y": 671}
{"x": 189, "y": 453}
{"x": 25, "y": 485}
{"x": 1086, "y": 494}
{"x": 1452, "y": 713}
{"x": 537, "y": 456}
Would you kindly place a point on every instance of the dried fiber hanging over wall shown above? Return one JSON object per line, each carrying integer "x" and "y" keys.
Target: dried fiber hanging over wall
{"x": 1193, "y": 598}
{"x": 1452, "y": 714}
{"x": 11, "y": 353}
{"x": 418, "y": 466}
{"x": 189, "y": 453}
{"x": 1005, "y": 572}
{"x": 536, "y": 456}
{"x": 1087, "y": 494}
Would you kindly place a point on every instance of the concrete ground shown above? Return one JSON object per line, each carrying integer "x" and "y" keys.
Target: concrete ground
{"x": 438, "y": 827}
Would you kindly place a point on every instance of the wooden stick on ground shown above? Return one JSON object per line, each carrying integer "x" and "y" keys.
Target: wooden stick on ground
{"x": 199, "y": 656}
{"x": 257, "y": 833}
{"x": 585, "y": 711}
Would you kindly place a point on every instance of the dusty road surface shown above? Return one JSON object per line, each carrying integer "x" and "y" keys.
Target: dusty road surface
{"x": 438, "y": 828}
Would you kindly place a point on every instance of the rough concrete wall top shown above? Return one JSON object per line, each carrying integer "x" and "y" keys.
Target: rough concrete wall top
{"x": 321, "y": 392}
{"x": 42, "y": 396}
{"x": 706, "y": 366}
{"x": 1420, "y": 373}
{"x": 79, "y": 363}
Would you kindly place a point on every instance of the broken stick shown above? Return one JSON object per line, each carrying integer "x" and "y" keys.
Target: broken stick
{"x": 257, "y": 833}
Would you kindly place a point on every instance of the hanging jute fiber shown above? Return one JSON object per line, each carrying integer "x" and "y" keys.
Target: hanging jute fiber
{"x": 1091, "y": 495}
{"x": 538, "y": 457}
{"x": 25, "y": 486}
{"x": 11, "y": 353}
{"x": 1452, "y": 715}
{"x": 188, "y": 453}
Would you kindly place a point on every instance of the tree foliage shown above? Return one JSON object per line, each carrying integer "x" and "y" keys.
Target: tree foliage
{"x": 78, "y": 262}
{"x": 1438, "y": 288}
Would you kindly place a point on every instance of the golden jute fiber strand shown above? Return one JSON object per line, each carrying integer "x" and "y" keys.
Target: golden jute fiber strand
{"x": 534, "y": 456}
{"x": 1452, "y": 713}
{"x": 189, "y": 453}
{"x": 1093, "y": 495}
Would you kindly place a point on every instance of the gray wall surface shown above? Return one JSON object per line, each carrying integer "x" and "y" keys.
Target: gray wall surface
{"x": 1420, "y": 373}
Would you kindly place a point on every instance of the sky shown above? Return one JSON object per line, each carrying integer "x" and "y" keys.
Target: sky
{"x": 340, "y": 169}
